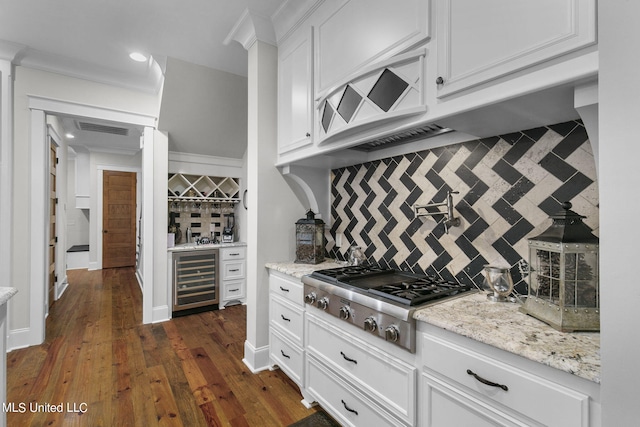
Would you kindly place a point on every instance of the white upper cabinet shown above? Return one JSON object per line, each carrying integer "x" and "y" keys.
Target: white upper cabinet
{"x": 357, "y": 33}
{"x": 479, "y": 41}
{"x": 295, "y": 102}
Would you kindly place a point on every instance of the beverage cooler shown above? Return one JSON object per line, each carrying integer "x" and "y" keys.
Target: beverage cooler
{"x": 196, "y": 279}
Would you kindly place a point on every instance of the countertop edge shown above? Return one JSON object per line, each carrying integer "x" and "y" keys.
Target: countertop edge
{"x": 6, "y": 293}
{"x": 194, "y": 247}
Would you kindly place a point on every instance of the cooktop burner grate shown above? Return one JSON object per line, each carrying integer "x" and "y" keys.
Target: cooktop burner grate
{"x": 420, "y": 291}
{"x": 404, "y": 288}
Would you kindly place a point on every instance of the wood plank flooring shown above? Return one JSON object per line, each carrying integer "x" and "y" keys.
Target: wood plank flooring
{"x": 107, "y": 369}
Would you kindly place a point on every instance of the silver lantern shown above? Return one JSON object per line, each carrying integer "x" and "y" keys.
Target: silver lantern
{"x": 563, "y": 281}
{"x": 310, "y": 240}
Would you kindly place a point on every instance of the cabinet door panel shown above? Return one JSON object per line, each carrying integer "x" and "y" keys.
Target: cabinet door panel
{"x": 394, "y": 381}
{"x": 288, "y": 288}
{"x": 289, "y": 357}
{"x": 348, "y": 406}
{"x": 294, "y": 94}
{"x": 445, "y": 407}
{"x": 233, "y": 270}
{"x": 481, "y": 41}
{"x": 362, "y": 31}
{"x": 288, "y": 318}
{"x": 513, "y": 389}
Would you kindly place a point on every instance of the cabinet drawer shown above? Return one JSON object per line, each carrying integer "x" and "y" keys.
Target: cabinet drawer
{"x": 289, "y": 357}
{"x": 232, "y": 270}
{"x": 378, "y": 373}
{"x": 228, "y": 254}
{"x": 233, "y": 289}
{"x": 544, "y": 401}
{"x": 288, "y": 318}
{"x": 347, "y": 405}
{"x": 289, "y": 289}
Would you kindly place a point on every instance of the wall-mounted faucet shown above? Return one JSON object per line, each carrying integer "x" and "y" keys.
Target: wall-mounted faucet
{"x": 450, "y": 221}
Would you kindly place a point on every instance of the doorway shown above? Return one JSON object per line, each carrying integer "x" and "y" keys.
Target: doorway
{"x": 53, "y": 230}
{"x": 118, "y": 219}
{"x": 38, "y": 233}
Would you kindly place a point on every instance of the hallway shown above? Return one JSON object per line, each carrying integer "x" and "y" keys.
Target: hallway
{"x": 102, "y": 367}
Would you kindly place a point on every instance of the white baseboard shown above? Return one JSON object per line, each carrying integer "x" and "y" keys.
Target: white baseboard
{"x": 20, "y": 338}
{"x": 256, "y": 359}
{"x": 160, "y": 314}
{"x": 63, "y": 287}
{"x": 140, "y": 281}
{"x": 94, "y": 266}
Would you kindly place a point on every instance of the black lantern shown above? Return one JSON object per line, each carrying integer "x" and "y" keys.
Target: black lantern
{"x": 309, "y": 240}
{"x": 563, "y": 281}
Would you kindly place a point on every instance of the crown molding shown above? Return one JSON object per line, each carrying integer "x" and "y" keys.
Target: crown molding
{"x": 250, "y": 28}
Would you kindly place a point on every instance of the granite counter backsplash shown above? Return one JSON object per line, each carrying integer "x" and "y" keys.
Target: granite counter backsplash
{"x": 501, "y": 325}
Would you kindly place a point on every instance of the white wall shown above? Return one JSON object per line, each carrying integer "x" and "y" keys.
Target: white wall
{"x": 77, "y": 219}
{"x": 619, "y": 110}
{"x": 204, "y": 110}
{"x": 34, "y": 83}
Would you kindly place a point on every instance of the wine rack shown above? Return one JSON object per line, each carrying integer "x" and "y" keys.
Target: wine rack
{"x": 184, "y": 187}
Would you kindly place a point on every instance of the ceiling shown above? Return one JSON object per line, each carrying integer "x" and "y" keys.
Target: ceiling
{"x": 100, "y": 34}
{"x": 93, "y": 39}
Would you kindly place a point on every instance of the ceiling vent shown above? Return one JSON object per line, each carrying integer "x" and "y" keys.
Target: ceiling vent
{"x": 410, "y": 135}
{"x": 95, "y": 127}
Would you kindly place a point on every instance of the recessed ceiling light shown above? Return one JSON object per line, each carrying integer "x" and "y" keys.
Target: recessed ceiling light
{"x": 138, "y": 57}
{"x": 70, "y": 136}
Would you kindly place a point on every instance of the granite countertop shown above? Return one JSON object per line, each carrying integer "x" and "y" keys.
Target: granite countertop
{"x": 501, "y": 325}
{"x": 299, "y": 270}
{"x": 6, "y": 293}
{"x": 194, "y": 247}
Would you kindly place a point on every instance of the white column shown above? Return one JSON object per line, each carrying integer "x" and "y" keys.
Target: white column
{"x": 272, "y": 206}
{"x": 6, "y": 169}
{"x": 619, "y": 180}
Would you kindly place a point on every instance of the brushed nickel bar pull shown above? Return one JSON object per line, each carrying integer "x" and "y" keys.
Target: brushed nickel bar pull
{"x": 487, "y": 382}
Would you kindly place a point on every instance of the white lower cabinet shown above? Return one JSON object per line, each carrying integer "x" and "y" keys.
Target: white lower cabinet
{"x": 288, "y": 356}
{"x": 379, "y": 383}
{"x": 232, "y": 275}
{"x": 461, "y": 387}
{"x": 346, "y": 403}
{"x": 286, "y": 314}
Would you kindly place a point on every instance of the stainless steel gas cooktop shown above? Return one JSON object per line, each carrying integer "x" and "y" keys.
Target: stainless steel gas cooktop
{"x": 379, "y": 300}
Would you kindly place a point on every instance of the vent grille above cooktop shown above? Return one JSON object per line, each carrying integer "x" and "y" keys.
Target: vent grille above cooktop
{"x": 422, "y": 132}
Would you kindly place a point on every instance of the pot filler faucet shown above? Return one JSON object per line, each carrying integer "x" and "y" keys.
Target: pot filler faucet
{"x": 450, "y": 220}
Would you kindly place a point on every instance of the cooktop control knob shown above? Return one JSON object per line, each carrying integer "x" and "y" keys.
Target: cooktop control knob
{"x": 370, "y": 324}
{"x": 344, "y": 312}
{"x": 310, "y": 298}
{"x": 323, "y": 303}
{"x": 391, "y": 333}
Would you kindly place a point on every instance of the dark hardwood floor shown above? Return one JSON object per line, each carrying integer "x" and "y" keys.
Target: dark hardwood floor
{"x": 107, "y": 369}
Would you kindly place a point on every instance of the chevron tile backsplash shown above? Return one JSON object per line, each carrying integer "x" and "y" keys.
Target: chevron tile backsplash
{"x": 508, "y": 186}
